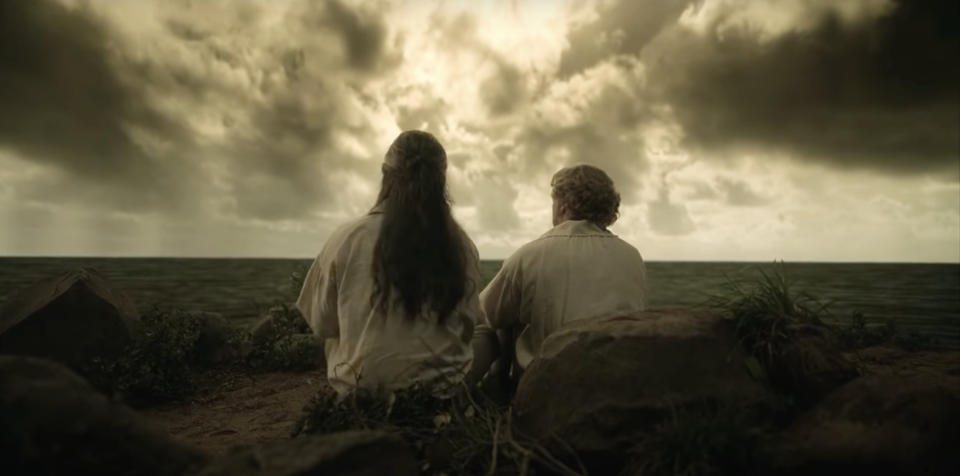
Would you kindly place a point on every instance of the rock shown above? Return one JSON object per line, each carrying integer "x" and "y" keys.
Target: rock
{"x": 599, "y": 384}
{"x": 891, "y": 359}
{"x": 810, "y": 365}
{"x": 349, "y": 453}
{"x": 70, "y": 318}
{"x": 892, "y": 424}
{"x": 56, "y": 423}
{"x": 277, "y": 322}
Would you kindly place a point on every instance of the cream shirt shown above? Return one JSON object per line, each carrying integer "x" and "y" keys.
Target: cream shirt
{"x": 363, "y": 346}
{"x": 575, "y": 271}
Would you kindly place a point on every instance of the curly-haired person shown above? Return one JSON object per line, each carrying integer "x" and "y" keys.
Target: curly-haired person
{"x": 577, "y": 270}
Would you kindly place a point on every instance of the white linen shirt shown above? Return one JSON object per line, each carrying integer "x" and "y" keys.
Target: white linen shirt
{"x": 576, "y": 270}
{"x": 363, "y": 346}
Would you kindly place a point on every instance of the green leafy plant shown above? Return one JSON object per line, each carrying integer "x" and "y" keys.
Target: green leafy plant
{"x": 157, "y": 366}
{"x": 284, "y": 341}
{"x": 287, "y": 352}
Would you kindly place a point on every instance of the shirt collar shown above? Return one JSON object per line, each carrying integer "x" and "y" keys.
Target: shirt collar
{"x": 577, "y": 228}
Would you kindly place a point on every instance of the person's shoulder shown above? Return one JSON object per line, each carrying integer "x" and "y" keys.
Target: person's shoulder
{"x": 627, "y": 248}
{"x": 526, "y": 253}
{"x": 350, "y": 230}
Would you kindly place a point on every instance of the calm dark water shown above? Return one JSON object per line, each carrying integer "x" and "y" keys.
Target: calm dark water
{"x": 925, "y": 297}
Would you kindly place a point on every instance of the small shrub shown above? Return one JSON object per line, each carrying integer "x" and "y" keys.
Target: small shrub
{"x": 287, "y": 352}
{"x": 157, "y": 366}
{"x": 858, "y": 333}
{"x": 283, "y": 341}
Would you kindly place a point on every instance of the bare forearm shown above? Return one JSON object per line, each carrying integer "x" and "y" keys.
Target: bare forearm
{"x": 486, "y": 350}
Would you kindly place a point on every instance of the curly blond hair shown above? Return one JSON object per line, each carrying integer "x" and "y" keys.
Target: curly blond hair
{"x": 587, "y": 193}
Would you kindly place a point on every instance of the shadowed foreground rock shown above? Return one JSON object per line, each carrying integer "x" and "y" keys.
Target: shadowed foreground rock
{"x": 599, "y": 384}
{"x": 56, "y": 423}
{"x": 810, "y": 365}
{"x": 70, "y": 318}
{"x": 893, "y": 424}
{"x": 350, "y": 453}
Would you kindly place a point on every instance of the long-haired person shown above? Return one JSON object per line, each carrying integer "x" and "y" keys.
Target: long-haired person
{"x": 394, "y": 293}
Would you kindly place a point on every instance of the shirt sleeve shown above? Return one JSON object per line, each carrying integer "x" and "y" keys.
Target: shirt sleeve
{"x": 501, "y": 300}
{"x": 318, "y": 298}
{"x": 642, "y": 277}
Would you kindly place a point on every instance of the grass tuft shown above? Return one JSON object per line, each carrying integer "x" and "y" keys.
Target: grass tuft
{"x": 767, "y": 309}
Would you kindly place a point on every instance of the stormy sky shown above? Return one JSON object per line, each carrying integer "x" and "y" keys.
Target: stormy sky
{"x": 803, "y": 130}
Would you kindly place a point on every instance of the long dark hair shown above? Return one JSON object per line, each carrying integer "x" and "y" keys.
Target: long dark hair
{"x": 420, "y": 251}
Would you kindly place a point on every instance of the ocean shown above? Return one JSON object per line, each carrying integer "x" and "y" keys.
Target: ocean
{"x": 922, "y": 297}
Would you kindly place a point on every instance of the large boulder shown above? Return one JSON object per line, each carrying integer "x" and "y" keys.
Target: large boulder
{"x": 70, "y": 318}
{"x": 55, "y": 423}
{"x": 598, "y": 385}
{"x": 350, "y": 453}
{"x": 891, "y": 424}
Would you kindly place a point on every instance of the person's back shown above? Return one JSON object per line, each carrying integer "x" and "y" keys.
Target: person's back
{"x": 577, "y": 270}
{"x": 394, "y": 293}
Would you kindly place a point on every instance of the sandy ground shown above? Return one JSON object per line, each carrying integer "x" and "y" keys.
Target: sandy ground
{"x": 246, "y": 410}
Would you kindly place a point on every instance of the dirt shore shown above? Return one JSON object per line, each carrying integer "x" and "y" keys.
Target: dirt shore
{"x": 243, "y": 410}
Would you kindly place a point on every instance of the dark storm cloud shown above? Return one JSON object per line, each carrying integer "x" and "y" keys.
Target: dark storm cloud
{"x": 277, "y": 167}
{"x": 64, "y": 105}
{"x": 281, "y": 166}
{"x": 879, "y": 93}
{"x": 185, "y": 31}
{"x": 78, "y": 98}
{"x": 622, "y": 27}
{"x": 363, "y": 34}
{"x": 503, "y": 91}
